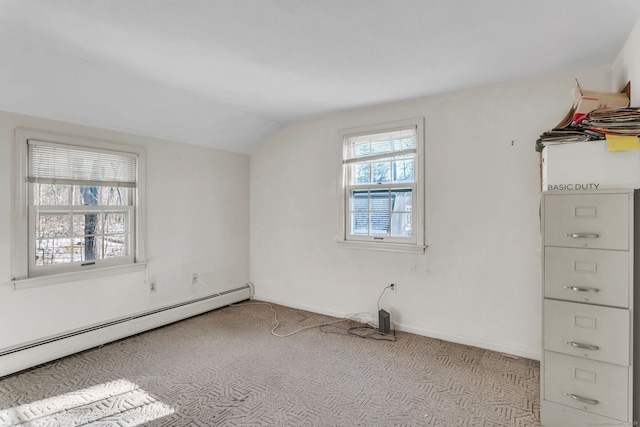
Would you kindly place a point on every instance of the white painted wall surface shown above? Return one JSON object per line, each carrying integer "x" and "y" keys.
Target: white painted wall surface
{"x": 197, "y": 221}
{"x": 627, "y": 66}
{"x": 479, "y": 281}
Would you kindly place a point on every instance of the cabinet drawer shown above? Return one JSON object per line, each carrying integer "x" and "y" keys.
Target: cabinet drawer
{"x": 599, "y": 221}
{"x": 597, "y": 387}
{"x": 587, "y": 275}
{"x": 590, "y": 331}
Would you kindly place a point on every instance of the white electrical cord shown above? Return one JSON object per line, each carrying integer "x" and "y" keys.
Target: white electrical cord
{"x": 382, "y": 293}
{"x": 277, "y": 324}
{"x": 275, "y": 314}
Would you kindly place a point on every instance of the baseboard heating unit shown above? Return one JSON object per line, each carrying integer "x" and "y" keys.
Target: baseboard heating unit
{"x": 34, "y": 353}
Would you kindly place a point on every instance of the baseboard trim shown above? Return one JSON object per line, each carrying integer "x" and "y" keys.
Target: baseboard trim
{"x": 515, "y": 351}
{"x": 27, "y": 355}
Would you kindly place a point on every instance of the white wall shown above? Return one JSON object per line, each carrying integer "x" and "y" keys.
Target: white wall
{"x": 197, "y": 221}
{"x": 627, "y": 66}
{"x": 479, "y": 281}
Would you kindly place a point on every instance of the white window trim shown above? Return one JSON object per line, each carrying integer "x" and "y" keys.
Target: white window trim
{"x": 96, "y": 273}
{"x": 20, "y": 230}
{"x": 419, "y": 215}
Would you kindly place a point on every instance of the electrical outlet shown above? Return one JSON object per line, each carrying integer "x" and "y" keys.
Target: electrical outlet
{"x": 393, "y": 287}
{"x": 153, "y": 286}
{"x": 194, "y": 278}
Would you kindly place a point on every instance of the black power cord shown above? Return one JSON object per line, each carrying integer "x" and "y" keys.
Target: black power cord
{"x": 362, "y": 331}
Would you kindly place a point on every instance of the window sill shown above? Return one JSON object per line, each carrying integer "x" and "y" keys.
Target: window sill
{"x": 53, "y": 279}
{"x": 383, "y": 247}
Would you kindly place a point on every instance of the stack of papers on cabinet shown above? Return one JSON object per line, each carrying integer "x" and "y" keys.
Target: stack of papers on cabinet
{"x": 614, "y": 121}
{"x": 567, "y": 135}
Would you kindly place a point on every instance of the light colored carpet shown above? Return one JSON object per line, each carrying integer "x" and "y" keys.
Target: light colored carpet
{"x": 224, "y": 368}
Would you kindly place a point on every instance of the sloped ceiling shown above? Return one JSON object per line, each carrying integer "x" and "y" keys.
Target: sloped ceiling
{"x": 227, "y": 73}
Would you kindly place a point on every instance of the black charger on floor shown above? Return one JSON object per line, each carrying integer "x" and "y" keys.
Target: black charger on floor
{"x": 384, "y": 322}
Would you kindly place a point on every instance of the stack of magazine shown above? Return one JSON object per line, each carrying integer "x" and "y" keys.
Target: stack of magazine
{"x": 569, "y": 134}
{"x": 614, "y": 121}
{"x": 573, "y": 133}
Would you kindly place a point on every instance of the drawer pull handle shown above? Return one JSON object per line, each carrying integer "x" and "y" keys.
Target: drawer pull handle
{"x": 582, "y": 289}
{"x": 584, "y": 346}
{"x": 583, "y": 235}
{"x": 583, "y": 399}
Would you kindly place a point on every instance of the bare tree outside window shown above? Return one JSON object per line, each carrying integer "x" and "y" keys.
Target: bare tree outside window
{"x": 90, "y": 198}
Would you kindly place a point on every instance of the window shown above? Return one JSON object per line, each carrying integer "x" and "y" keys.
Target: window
{"x": 77, "y": 205}
{"x": 382, "y": 170}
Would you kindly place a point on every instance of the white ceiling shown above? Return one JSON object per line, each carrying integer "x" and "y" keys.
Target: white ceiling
{"x": 228, "y": 73}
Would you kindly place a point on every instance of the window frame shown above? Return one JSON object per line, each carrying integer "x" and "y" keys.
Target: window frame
{"x": 23, "y": 273}
{"x": 413, "y": 244}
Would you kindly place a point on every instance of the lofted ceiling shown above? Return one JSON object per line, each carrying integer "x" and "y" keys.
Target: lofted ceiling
{"x": 227, "y": 73}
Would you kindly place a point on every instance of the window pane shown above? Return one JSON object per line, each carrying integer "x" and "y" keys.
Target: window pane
{"x": 53, "y": 226}
{"x": 113, "y": 196}
{"x": 379, "y": 204}
{"x": 359, "y": 200}
{"x": 85, "y": 248}
{"x": 92, "y": 248}
{"x": 86, "y": 224}
{"x": 401, "y": 225}
{"x": 381, "y": 172}
{"x": 360, "y": 150}
{"x": 380, "y": 200}
{"x": 78, "y": 225}
{"x": 83, "y": 195}
{"x": 403, "y": 143}
{"x": 114, "y": 223}
{"x": 380, "y": 224}
{"x": 43, "y": 249}
{"x": 383, "y": 146}
{"x": 50, "y": 195}
{"x": 379, "y": 143}
{"x": 53, "y": 251}
{"x": 76, "y": 196}
{"x": 362, "y": 173}
{"x": 78, "y": 249}
{"x": 86, "y": 195}
{"x": 402, "y": 200}
{"x": 113, "y": 246}
{"x": 403, "y": 169}
{"x": 360, "y": 223}
{"x": 85, "y": 228}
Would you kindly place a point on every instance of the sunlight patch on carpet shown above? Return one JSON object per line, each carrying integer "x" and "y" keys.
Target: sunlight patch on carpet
{"x": 119, "y": 402}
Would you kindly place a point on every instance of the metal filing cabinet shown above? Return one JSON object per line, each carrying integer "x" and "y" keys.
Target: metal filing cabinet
{"x": 589, "y": 251}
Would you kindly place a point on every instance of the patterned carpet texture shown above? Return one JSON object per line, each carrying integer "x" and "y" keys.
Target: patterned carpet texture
{"x": 225, "y": 368}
